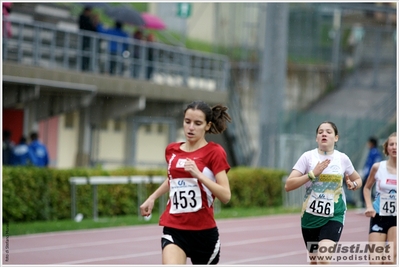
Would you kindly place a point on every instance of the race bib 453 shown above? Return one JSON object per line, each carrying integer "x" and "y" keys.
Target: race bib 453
{"x": 185, "y": 195}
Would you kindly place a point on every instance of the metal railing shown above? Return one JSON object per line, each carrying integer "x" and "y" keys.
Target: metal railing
{"x": 94, "y": 181}
{"x": 46, "y": 45}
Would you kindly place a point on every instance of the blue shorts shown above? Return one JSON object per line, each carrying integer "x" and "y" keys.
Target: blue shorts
{"x": 202, "y": 246}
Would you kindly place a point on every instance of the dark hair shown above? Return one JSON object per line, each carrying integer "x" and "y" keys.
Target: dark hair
{"x": 34, "y": 136}
{"x": 332, "y": 125}
{"x": 217, "y": 115}
{"x": 373, "y": 141}
{"x": 22, "y": 140}
{"x": 118, "y": 25}
{"x": 385, "y": 145}
{"x": 6, "y": 134}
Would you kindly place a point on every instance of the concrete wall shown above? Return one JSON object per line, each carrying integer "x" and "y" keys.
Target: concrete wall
{"x": 201, "y": 24}
{"x": 111, "y": 144}
{"x": 152, "y": 140}
{"x": 67, "y": 148}
{"x": 305, "y": 84}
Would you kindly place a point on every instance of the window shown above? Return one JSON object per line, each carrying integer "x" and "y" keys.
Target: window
{"x": 161, "y": 128}
{"x": 69, "y": 120}
{"x": 148, "y": 128}
{"x": 104, "y": 125}
{"x": 117, "y": 125}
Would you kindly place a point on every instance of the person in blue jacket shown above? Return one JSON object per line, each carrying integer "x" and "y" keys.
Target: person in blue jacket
{"x": 8, "y": 147}
{"x": 116, "y": 48}
{"x": 373, "y": 156}
{"x": 39, "y": 150}
{"x": 22, "y": 155}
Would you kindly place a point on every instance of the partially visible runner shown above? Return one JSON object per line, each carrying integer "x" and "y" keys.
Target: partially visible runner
{"x": 382, "y": 211}
{"x": 322, "y": 170}
{"x": 197, "y": 173}
{"x": 373, "y": 156}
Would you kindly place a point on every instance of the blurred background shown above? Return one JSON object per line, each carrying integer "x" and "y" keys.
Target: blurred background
{"x": 281, "y": 68}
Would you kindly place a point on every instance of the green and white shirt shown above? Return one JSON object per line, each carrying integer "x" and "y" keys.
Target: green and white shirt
{"x": 324, "y": 199}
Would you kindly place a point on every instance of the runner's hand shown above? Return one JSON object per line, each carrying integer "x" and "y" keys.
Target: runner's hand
{"x": 370, "y": 213}
{"x": 146, "y": 207}
{"x": 191, "y": 167}
{"x": 349, "y": 183}
{"x": 320, "y": 167}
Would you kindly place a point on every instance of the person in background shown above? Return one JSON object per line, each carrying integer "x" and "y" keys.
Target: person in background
{"x": 8, "y": 148}
{"x": 373, "y": 156}
{"x": 86, "y": 23}
{"x": 39, "y": 151}
{"x": 23, "y": 156}
{"x": 7, "y": 31}
{"x": 150, "y": 56}
{"x": 116, "y": 48}
{"x": 322, "y": 171}
{"x": 197, "y": 173}
{"x": 382, "y": 211}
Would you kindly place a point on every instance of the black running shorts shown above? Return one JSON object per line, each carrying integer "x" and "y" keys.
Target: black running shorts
{"x": 331, "y": 231}
{"x": 381, "y": 224}
{"x": 202, "y": 246}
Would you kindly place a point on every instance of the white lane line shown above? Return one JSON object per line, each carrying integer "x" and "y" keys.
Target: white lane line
{"x": 227, "y": 244}
{"x": 116, "y": 241}
{"x": 145, "y": 254}
{"x": 146, "y": 238}
{"x": 85, "y": 231}
{"x": 257, "y": 228}
{"x": 277, "y": 238}
{"x": 87, "y": 244}
{"x": 260, "y": 240}
{"x": 274, "y": 256}
{"x": 221, "y": 222}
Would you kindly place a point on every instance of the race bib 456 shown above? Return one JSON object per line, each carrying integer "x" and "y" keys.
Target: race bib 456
{"x": 321, "y": 204}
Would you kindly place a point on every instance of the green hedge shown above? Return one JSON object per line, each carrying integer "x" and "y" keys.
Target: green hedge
{"x": 255, "y": 187}
{"x": 34, "y": 194}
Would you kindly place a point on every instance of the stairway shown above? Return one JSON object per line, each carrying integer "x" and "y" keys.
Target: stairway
{"x": 53, "y": 13}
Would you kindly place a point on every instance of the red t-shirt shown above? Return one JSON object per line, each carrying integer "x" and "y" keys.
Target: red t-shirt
{"x": 190, "y": 204}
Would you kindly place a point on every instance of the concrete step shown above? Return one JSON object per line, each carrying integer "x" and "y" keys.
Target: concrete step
{"x": 43, "y": 12}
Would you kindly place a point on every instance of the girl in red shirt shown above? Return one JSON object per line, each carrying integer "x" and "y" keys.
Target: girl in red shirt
{"x": 197, "y": 173}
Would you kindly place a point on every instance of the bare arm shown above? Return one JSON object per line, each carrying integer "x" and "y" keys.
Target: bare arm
{"x": 148, "y": 205}
{"x": 297, "y": 179}
{"x": 220, "y": 189}
{"x": 354, "y": 177}
{"x": 370, "y": 212}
